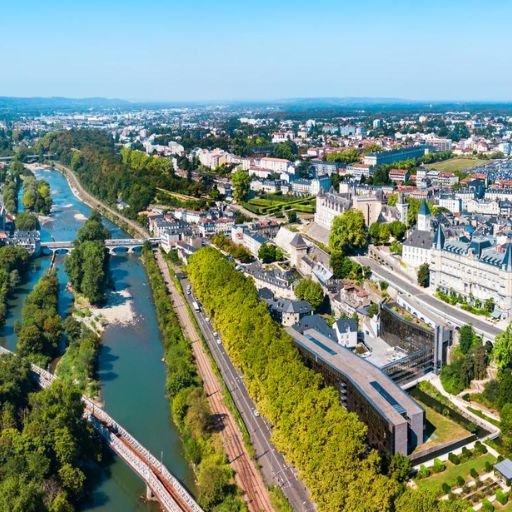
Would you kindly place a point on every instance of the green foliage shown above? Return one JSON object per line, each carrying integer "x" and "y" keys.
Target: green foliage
{"x": 310, "y": 291}
{"x": 506, "y": 428}
{"x": 344, "y": 267}
{"x": 422, "y": 500}
{"x": 13, "y": 264}
{"x": 321, "y": 439}
{"x": 190, "y": 410}
{"x": 345, "y": 156}
{"x": 133, "y": 177}
{"x": 87, "y": 265}
{"x": 47, "y": 449}
{"x": 399, "y": 468}
{"x": 41, "y": 326}
{"x": 26, "y": 221}
{"x": 239, "y": 252}
{"x": 240, "y": 181}
{"x": 36, "y": 196}
{"x": 348, "y": 232}
{"x": 502, "y": 351}
{"x": 78, "y": 363}
{"x": 454, "y": 459}
{"x": 373, "y": 309}
{"x": 501, "y": 497}
{"x": 268, "y": 253}
{"x": 379, "y": 233}
{"x": 438, "y": 466}
{"x": 469, "y": 362}
{"x": 423, "y": 275}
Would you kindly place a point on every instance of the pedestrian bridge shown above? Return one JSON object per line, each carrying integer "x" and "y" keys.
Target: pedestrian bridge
{"x": 114, "y": 245}
{"x": 161, "y": 485}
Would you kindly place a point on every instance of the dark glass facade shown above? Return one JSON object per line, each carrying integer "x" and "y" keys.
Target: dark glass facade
{"x": 423, "y": 345}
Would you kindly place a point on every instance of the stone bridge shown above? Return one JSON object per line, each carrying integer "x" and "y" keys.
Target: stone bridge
{"x": 114, "y": 245}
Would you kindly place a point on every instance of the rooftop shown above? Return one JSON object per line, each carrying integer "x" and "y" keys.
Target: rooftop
{"x": 384, "y": 395}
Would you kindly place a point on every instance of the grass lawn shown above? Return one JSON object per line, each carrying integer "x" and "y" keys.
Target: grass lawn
{"x": 439, "y": 430}
{"x": 434, "y": 482}
{"x": 456, "y": 164}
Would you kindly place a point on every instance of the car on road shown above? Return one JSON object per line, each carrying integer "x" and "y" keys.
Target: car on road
{"x": 256, "y": 413}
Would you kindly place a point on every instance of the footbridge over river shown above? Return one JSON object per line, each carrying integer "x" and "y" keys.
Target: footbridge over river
{"x": 161, "y": 485}
{"x": 114, "y": 245}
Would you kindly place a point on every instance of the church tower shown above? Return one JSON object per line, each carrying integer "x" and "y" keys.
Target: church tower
{"x": 424, "y": 219}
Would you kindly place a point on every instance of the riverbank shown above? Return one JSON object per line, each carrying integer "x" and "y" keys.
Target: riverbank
{"x": 130, "y": 369}
{"x": 118, "y": 310}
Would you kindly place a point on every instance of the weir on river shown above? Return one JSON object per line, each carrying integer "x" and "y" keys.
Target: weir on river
{"x": 131, "y": 373}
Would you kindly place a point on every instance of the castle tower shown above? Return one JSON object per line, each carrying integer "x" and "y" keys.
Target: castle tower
{"x": 424, "y": 218}
{"x": 403, "y": 208}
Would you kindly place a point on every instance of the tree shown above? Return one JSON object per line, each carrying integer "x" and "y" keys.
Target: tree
{"x": 267, "y": 253}
{"x": 241, "y": 182}
{"x": 506, "y": 427}
{"x": 379, "y": 233}
{"x": 502, "y": 351}
{"x": 348, "y": 232}
{"x": 466, "y": 338}
{"x": 399, "y": 467}
{"x": 310, "y": 291}
{"x": 397, "y": 229}
{"x": 26, "y": 221}
{"x": 423, "y": 275}
{"x": 292, "y": 216}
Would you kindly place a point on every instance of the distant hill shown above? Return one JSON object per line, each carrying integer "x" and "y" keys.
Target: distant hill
{"x": 41, "y": 105}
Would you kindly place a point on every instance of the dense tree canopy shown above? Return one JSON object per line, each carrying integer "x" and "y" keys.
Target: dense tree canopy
{"x": 26, "y": 221}
{"x": 348, "y": 232}
{"x": 36, "y": 196}
{"x": 323, "y": 441}
{"x": 41, "y": 326}
{"x": 131, "y": 176}
{"x": 46, "y": 445}
{"x": 240, "y": 181}
{"x": 87, "y": 265}
{"x": 13, "y": 264}
{"x": 310, "y": 291}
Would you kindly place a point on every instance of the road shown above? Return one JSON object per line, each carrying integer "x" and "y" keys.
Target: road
{"x": 448, "y": 312}
{"x": 246, "y": 473}
{"x": 274, "y": 468}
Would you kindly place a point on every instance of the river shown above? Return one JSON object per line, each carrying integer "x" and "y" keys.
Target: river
{"x": 131, "y": 372}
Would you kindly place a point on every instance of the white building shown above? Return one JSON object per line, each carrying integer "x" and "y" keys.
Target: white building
{"x": 417, "y": 249}
{"x": 345, "y": 330}
{"x": 476, "y": 270}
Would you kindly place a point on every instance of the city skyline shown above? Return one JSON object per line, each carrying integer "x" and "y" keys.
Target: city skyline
{"x": 232, "y": 52}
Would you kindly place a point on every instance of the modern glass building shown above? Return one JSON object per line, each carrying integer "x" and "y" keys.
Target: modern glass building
{"x": 423, "y": 338}
{"x": 395, "y": 421}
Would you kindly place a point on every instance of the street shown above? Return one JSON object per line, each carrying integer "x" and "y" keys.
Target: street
{"x": 450, "y": 313}
{"x": 274, "y": 468}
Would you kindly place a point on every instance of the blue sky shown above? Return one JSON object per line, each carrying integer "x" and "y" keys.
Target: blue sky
{"x": 234, "y": 49}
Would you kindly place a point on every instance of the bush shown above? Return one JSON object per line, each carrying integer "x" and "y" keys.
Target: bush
{"x": 487, "y": 506}
{"x": 466, "y": 454}
{"x": 488, "y": 467}
{"x": 466, "y": 489}
{"x": 423, "y": 472}
{"x": 501, "y": 496}
{"x": 473, "y": 472}
{"x": 454, "y": 459}
{"x": 446, "y": 488}
{"x": 460, "y": 481}
{"x": 438, "y": 466}
{"x": 480, "y": 448}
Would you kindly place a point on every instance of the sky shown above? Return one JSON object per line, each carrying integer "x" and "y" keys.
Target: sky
{"x": 197, "y": 50}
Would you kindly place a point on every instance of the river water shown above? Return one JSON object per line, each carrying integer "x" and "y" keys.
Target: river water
{"x": 131, "y": 372}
